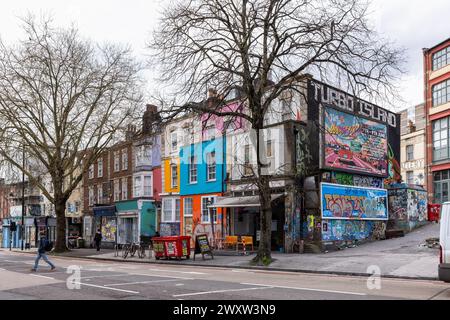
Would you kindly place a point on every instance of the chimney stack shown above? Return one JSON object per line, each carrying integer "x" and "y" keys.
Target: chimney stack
{"x": 149, "y": 117}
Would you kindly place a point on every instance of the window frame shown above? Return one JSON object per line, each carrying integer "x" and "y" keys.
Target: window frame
{"x": 215, "y": 214}
{"x": 172, "y": 171}
{"x": 210, "y": 166}
{"x": 124, "y": 159}
{"x": 173, "y": 210}
{"x": 440, "y": 128}
{"x": 100, "y": 168}
{"x": 440, "y": 59}
{"x": 193, "y": 167}
{"x": 440, "y": 93}
{"x": 191, "y": 200}
{"x": 410, "y": 152}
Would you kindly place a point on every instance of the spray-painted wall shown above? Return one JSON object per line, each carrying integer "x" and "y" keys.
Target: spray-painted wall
{"x": 407, "y": 208}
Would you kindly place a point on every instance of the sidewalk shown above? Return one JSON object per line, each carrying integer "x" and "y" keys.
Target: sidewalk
{"x": 401, "y": 257}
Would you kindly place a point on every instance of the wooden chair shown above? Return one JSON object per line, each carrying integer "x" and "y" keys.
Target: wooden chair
{"x": 247, "y": 241}
{"x": 230, "y": 241}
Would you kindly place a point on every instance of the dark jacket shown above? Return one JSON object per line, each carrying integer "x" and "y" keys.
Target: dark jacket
{"x": 42, "y": 244}
{"x": 98, "y": 237}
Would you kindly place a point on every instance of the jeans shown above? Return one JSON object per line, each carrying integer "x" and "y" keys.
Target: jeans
{"x": 43, "y": 256}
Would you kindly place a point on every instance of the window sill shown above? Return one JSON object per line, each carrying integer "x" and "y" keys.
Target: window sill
{"x": 211, "y": 180}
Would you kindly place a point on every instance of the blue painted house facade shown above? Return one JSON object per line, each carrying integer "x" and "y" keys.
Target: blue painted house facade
{"x": 202, "y": 181}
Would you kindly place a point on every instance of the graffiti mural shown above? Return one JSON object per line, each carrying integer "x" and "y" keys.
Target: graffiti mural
{"x": 398, "y": 203}
{"x": 370, "y": 182}
{"x": 417, "y": 205}
{"x": 304, "y": 156}
{"x": 355, "y": 144}
{"x": 346, "y": 230}
{"x": 346, "y": 202}
{"x": 342, "y": 178}
{"x": 394, "y": 169}
{"x": 379, "y": 230}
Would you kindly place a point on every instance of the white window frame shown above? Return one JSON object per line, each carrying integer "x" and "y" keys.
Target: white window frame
{"x": 174, "y": 141}
{"x": 124, "y": 191}
{"x": 193, "y": 168}
{"x": 100, "y": 168}
{"x": 173, "y": 211}
{"x": 210, "y": 166}
{"x": 91, "y": 195}
{"x": 91, "y": 171}
{"x": 139, "y": 188}
{"x": 100, "y": 193}
{"x": 117, "y": 190}
{"x": 172, "y": 180}
{"x": 116, "y": 161}
{"x": 214, "y": 199}
{"x": 185, "y": 206}
{"x": 124, "y": 159}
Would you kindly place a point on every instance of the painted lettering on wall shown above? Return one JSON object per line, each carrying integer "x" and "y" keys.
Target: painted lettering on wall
{"x": 328, "y": 95}
{"x": 346, "y": 202}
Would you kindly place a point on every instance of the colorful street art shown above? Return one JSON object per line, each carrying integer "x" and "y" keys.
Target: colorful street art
{"x": 355, "y": 144}
{"x": 417, "y": 205}
{"x": 370, "y": 182}
{"x": 394, "y": 169}
{"x": 346, "y": 202}
{"x": 345, "y": 230}
{"x": 407, "y": 207}
{"x": 398, "y": 202}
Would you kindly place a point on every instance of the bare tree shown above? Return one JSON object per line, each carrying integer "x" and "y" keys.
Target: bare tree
{"x": 63, "y": 100}
{"x": 264, "y": 47}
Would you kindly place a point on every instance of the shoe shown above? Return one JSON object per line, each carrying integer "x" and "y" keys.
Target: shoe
{"x": 33, "y": 270}
{"x": 53, "y": 268}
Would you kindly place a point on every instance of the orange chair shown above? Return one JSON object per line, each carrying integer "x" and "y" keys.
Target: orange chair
{"x": 247, "y": 241}
{"x": 230, "y": 241}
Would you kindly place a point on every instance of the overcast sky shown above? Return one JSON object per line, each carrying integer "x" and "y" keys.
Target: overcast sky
{"x": 413, "y": 24}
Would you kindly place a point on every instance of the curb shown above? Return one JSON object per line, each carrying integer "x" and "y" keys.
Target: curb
{"x": 339, "y": 273}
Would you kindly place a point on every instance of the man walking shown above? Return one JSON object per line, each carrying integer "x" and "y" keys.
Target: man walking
{"x": 98, "y": 239}
{"x": 43, "y": 247}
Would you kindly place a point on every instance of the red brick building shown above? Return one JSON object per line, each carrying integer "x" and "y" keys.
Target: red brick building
{"x": 107, "y": 181}
{"x": 437, "y": 109}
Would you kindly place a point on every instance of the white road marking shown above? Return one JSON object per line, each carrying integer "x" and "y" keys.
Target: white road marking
{"x": 107, "y": 288}
{"x": 160, "y": 276}
{"x": 39, "y": 276}
{"x": 26, "y": 262}
{"x": 186, "y": 272}
{"x": 305, "y": 289}
{"x": 218, "y": 291}
{"x": 179, "y": 284}
{"x": 140, "y": 282}
{"x": 105, "y": 276}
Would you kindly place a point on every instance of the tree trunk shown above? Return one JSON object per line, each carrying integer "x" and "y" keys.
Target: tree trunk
{"x": 264, "y": 256}
{"x": 60, "y": 209}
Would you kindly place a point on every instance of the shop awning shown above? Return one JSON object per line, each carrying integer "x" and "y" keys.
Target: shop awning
{"x": 237, "y": 202}
{"x": 106, "y": 211}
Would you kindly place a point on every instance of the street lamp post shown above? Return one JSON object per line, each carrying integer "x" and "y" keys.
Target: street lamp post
{"x": 22, "y": 229}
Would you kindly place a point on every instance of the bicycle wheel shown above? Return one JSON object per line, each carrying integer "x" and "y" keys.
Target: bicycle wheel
{"x": 141, "y": 252}
{"x": 133, "y": 250}
{"x": 126, "y": 251}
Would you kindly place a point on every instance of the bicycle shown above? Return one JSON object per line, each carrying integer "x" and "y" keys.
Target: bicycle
{"x": 131, "y": 249}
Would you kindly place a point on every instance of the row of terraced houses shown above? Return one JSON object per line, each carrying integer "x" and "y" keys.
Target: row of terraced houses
{"x": 336, "y": 162}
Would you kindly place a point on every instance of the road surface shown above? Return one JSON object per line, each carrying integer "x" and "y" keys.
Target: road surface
{"x": 124, "y": 280}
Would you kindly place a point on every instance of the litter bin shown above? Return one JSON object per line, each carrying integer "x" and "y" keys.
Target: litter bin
{"x": 172, "y": 247}
{"x": 80, "y": 243}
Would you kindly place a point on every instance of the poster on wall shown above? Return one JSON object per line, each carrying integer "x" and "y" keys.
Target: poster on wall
{"x": 109, "y": 227}
{"x": 354, "y": 144}
{"x": 348, "y": 202}
{"x": 169, "y": 229}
